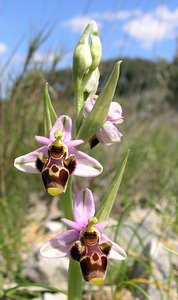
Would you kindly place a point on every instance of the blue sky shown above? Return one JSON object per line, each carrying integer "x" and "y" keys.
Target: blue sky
{"x": 135, "y": 28}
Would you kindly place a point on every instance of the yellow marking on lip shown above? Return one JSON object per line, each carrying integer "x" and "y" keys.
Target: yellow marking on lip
{"x": 54, "y": 191}
{"x": 97, "y": 281}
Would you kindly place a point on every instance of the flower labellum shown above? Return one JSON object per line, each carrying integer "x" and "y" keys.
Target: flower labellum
{"x": 58, "y": 158}
{"x": 93, "y": 257}
{"x": 85, "y": 242}
{"x": 56, "y": 168}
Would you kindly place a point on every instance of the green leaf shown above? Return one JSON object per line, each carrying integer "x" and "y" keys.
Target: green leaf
{"x": 74, "y": 281}
{"x": 99, "y": 113}
{"x": 49, "y": 113}
{"x": 11, "y": 291}
{"x": 109, "y": 198}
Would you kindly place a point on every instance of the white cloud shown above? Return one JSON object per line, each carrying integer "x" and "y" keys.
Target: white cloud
{"x": 44, "y": 57}
{"x": 39, "y": 57}
{"x": 148, "y": 28}
{"x": 116, "y": 15}
{"x": 78, "y": 24}
{"x": 3, "y": 48}
{"x": 156, "y": 26}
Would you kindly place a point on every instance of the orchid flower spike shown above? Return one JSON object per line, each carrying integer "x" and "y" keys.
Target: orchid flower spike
{"x": 85, "y": 242}
{"x": 58, "y": 158}
{"x": 108, "y": 133}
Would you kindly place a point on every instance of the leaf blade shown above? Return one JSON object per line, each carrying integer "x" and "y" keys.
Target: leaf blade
{"x": 109, "y": 198}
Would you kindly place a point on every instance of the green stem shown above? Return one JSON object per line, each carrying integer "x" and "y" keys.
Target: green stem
{"x": 74, "y": 281}
{"x": 66, "y": 202}
{"x": 74, "y": 273}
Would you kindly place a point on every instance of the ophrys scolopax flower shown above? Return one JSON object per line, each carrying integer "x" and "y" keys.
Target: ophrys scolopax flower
{"x": 85, "y": 242}
{"x": 58, "y": 158}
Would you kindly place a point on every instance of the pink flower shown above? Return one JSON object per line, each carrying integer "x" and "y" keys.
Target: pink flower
{"x": 58, "y": 158}
{"x": 84, "y": 242}
{"x": 108, "y": 133}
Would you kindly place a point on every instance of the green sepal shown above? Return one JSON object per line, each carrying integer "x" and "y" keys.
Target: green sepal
{"x": 109, "y": 198}
{"x": 82, "y": 56}
{"x": 99, "y": 113}
{"x": 81, "y": 63}
{"x": 95, "y": 47}
{"x": 49, "y": 113}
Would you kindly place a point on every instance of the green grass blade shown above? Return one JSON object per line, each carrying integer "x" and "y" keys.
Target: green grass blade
{"x": 136, "y": 286}
{"x": 11, "y": 291}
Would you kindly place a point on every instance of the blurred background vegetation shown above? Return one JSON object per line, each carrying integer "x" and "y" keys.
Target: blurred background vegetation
{"x": 148, "y": 93}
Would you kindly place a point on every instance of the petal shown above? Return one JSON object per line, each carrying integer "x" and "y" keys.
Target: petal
{"x": 108, "y": 134}
{"x": 115, "y": 113}
{"x": 74, "y": 143}
{"x": 87, "y": 166}
{"x": 60, "y": 245}
{"x": 27, "y": 162}
{"x": 43, "y": 140}
{"x": 116, "y": 251}
{"x": 101, "y": 225}
{"x": 89, "y": 103}
{"x": 64, "y": 124}
{"x": 71, "y": 224}
{"x": 84, "y": 207}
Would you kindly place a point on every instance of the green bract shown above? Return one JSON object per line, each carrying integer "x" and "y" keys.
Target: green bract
{"x": 99, "y": 113}
{"x": 50, "y": 116}
{"x": 82, "y": 58}
{"x": 109, "y": 198}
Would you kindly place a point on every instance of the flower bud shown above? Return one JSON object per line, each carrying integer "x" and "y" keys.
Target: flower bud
{"x": 96, "y": 48}
{"x": 82, "y": 59}
{"x": 92, "y": 83}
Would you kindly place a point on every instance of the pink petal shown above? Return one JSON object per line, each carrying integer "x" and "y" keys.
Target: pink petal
{"x": 116, "y": 251}
{"x": 86, "y": 166}
{"x": 101, "y": 225}
{"x": 64, "y": 124}
{"x": 27, "y": 162}
{"x": 89, "y": 103}
{"x": 60, "y": 245}
{"x": 115, "y": 113}
{"x": 84, "y": 207}
{"x": 108, "y": 134}
{"x": 74, "y": 143}
{"x": 43, "y": 140}
{"x": 71, "y": 224}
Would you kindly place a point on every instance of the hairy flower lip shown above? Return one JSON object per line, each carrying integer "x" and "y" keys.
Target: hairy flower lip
{"x": 86, "y": 165}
